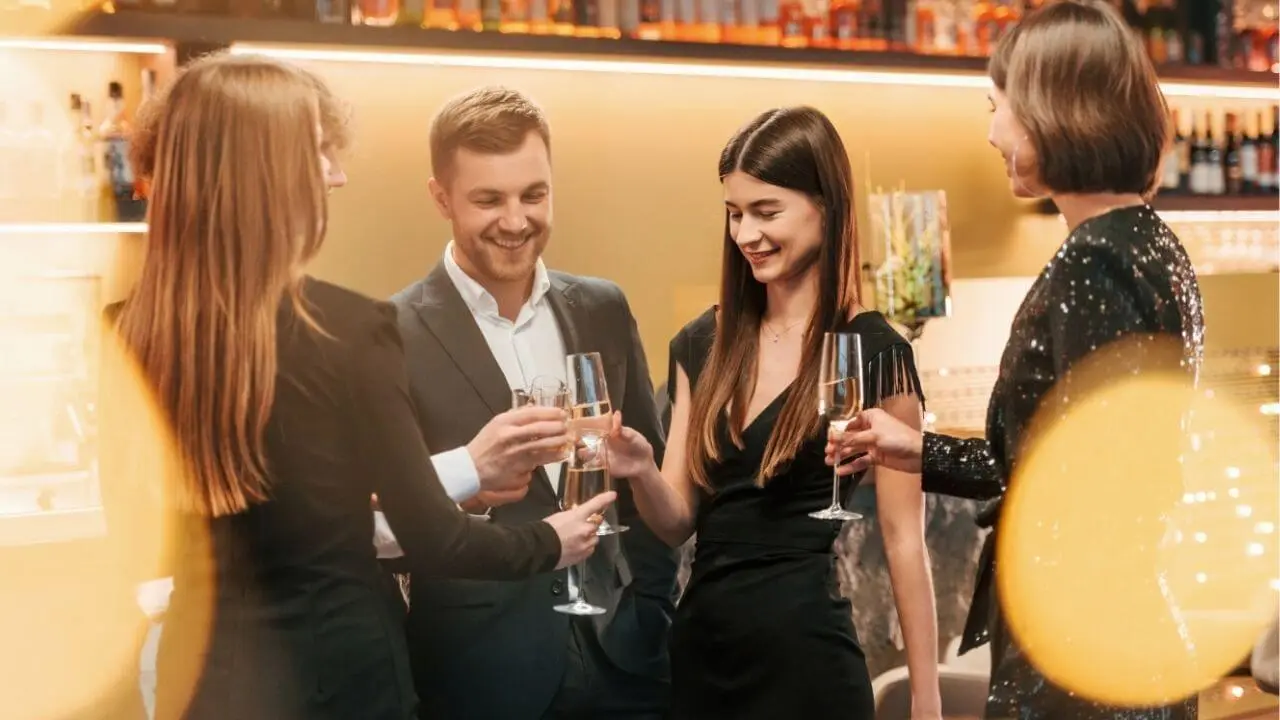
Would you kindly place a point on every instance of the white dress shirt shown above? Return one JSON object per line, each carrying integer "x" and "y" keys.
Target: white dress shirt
{"x": 530, "y": 347}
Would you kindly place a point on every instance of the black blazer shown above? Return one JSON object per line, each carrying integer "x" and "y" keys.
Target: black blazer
{"x": 497, "y": 650}
{"x": 291, "y": 589}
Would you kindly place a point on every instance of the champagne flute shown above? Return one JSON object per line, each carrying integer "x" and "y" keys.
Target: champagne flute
{"x": 591, "y": 414}
{"x": 585, "y": 476}
{"x": 839, "y": 402}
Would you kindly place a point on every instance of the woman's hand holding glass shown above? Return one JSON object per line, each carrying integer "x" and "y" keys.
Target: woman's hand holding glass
{"x": 875, "y": 437}
{"x": 630, "y": 454}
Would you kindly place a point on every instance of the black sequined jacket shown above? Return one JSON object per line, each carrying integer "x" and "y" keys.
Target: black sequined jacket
{"x": 1119, "y": 275}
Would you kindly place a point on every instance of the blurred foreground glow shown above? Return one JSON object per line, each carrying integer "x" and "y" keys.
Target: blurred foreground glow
{"x": 1128, "y": 576}
{"x": 73, "y": 631}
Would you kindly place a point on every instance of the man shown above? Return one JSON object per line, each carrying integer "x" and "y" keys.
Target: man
{"x": 490, "y": 318}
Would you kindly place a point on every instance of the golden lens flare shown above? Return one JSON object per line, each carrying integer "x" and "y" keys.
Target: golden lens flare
{"x": 1137, "y": 549}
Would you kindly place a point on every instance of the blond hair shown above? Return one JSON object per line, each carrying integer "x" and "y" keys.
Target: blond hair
{"x": 237, "y": 206}
{"x": 492, "y": 120}
{"x": 1083, "y": 88}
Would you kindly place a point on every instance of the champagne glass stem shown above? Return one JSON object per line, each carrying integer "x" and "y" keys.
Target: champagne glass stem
{"x": 835, "y": 483}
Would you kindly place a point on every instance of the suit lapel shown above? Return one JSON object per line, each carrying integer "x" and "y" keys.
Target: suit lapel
{"x": 565, "y": 308}
{"x": 580, "y": 335}
{"x": 563, "y": 297}
{"x": 444, "y": 313}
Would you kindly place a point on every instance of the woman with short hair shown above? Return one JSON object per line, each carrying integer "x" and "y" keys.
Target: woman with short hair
{"x": 1078, "y": 116}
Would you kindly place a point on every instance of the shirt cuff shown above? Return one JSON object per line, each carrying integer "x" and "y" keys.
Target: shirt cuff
{"x": 384, "y": 540}
{"x": 457, "y": 472}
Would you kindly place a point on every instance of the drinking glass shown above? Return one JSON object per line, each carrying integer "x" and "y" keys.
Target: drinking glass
{"x": 585, "y": 475}
{"x": 590, "y": 414}
{"x": 543, "y": 391}
{"x": 839, "y": 402}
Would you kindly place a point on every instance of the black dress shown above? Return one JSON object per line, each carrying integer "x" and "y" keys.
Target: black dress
{"x": 1119, "y": 275}
{"x": 762, "y": 630}
{"x": 281, "y": 612}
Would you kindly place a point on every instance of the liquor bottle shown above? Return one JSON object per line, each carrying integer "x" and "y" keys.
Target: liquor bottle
{"x": 539, "y": 16}
{"x": 562, "y": 15}
{"x": 333, "y": 12}
{"x": 90, "y": 178}
{"x": 609, "y": 20}
{"x": 1199, "y": 184}
{"x": 873, "y": 26}
{"x": 491, "y": 13}
{"x": 379, "y": 13}
{"x": 629, "y": 18}
{"x": 1215, "y": 177}
{"x": 792, "y": 24}
{"x": 651, "y": 25}
{"x": 741, "y": 22}
{"x": 1249, "y": 157}
{"x": 1170, "y": 165}
{"x": 705, "y": 25}
{"x": 770, "y": 22}
{"x": 1182, "y": 145}
{"x": 1232, "y": 172}
{"x": 926, "y": 24}
{"x": 1266, "y": 159}
{"x": 817, "y": 16}
{"x": 516, "y": 16}
{"x": 1274, "y": 167}
{"x": 412, "y": 13}
{"x": 114, "y": 134}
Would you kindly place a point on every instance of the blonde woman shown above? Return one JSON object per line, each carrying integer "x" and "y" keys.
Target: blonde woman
{"x": 285, "y": 400}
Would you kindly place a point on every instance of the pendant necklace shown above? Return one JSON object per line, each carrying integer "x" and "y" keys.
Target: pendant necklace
{"x": 778, "y": 335}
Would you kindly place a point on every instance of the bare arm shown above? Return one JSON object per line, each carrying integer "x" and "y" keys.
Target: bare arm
{"x": 667, "y": 499}
{"x": 901, "y": 510}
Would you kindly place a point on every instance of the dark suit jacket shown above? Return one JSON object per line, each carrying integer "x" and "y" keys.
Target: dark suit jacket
{"x": 497, "y": 649}
{"x": 291, "y": 589}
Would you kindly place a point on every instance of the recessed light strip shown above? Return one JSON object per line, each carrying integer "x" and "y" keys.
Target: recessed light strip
{"x": 640, "y": 67}
{"x": 100, "y": 46}
{"x": 689, "y": 69}
{"x": 72, "y": 228}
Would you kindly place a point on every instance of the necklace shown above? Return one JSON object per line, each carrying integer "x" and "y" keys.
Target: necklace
{"x": 777, "y": 335}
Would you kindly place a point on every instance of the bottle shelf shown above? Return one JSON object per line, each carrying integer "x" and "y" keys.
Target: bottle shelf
{"x": 215, "y": 31}
{"x": 1199, "y": 204}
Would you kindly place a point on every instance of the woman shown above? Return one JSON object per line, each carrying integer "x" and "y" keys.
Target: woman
{"x": 284, "y": 402}
{"x": 761, "y": 631}
{"x": 1093, "y": 144}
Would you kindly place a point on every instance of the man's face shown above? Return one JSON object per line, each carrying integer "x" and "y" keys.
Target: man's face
{"x": 500, "y": 210}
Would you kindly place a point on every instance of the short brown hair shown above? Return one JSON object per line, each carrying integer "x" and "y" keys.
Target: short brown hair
{"x": 1084, "y": 89}
{"x": 493, "y": 120}
{"x": 335, "y": 121}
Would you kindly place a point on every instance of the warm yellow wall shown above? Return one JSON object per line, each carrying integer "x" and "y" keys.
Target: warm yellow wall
{"x": 636, "y": 193}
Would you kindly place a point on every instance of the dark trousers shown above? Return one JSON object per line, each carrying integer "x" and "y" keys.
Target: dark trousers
{"x": 593, "y": 689}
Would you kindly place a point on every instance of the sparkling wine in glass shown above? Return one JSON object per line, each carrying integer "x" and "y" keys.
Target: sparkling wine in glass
{"x": 840, "y": 388}
{"x": 590, "y": 414}
{"x": 586, "y": 475}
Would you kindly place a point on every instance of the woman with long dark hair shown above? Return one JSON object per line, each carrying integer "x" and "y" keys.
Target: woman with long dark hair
{"x": 279, "y": 405}
{"x": 1078, "y": 116}
{"x": 762, "y": 631}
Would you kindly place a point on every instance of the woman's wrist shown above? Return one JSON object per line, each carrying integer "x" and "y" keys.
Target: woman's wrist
{"x": 650, "y": 475}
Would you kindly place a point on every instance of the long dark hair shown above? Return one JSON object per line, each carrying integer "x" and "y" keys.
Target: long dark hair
{"x": 799, "y": 149}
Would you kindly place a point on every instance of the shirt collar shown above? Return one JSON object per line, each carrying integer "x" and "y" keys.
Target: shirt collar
{"x": 477, "y": 298}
